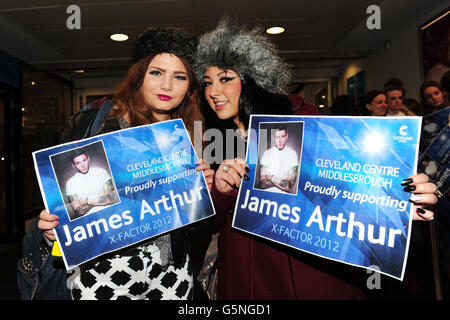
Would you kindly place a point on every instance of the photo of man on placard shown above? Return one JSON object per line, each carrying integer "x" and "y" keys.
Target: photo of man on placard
{"x": 85, "y": 180}
{"x": 279, "y": 154}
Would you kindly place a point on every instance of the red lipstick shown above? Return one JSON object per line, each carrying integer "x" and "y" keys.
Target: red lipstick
{"x": 163, "y": 97}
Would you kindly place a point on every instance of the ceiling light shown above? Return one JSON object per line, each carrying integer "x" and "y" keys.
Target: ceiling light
{"x": 119, "y": 37}
{"x": 275, "y": 30}
{"x": 78, "y": 71}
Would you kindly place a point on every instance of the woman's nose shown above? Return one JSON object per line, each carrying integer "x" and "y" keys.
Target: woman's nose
{"x": 215, "y": 90}
{"x": 166, "y": 84}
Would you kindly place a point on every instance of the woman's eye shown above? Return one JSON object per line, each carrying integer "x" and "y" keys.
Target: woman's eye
{"x": 155, "y": 72}
{"x": 181, "y": 77}
{"x": 206, "y": 83}
{"x": 226, "y": 79}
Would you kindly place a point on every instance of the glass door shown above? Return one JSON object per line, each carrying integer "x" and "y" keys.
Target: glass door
{"x": 11, "y": 218}
{"x": 3, "y": 180}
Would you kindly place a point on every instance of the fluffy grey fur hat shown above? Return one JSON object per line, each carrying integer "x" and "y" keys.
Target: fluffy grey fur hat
{"x": 248, "y": 52}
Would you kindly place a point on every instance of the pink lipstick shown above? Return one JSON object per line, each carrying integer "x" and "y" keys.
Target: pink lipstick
{"x": 163, "y": 97}
{"x": 220, "y": 105}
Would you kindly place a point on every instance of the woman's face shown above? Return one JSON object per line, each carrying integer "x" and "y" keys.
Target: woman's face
{"x": 378, "y": 106}
{"x": 433, "y": 96}
{"x": 165, "y": 83}
{"x": 222, "y": 91}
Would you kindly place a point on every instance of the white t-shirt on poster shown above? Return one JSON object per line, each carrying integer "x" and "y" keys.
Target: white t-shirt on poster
{"x": 278, "y": 163}
{"x": 90, "y": 183}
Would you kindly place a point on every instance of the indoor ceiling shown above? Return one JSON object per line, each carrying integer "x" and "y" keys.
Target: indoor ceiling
{"x": 319, "y": 33}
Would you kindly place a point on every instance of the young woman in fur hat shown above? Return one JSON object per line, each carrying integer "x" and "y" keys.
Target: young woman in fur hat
{"x": 241, "y": 74}
{"x": 160, "y": 85}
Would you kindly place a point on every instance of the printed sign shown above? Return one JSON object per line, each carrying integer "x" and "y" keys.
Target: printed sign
{"x": 331, "y": 186}
{"x": 435, "y": 160}
{"x": 116, "y": 189}
{"x": 434, "y": 148}
{"x": 432, "y": 125}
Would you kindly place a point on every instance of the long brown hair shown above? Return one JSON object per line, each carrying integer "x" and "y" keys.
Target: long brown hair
{"x": 128, "y": 98}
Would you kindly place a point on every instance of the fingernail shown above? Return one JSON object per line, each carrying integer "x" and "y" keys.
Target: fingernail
{"x": 409, "y": 188}
{"x": 406, "y": 181}
{"x": 415, "y": 198}
{"x": 246, "y": 177}
{"x": 247, "y": 169}
{"x": 420, "y": 211}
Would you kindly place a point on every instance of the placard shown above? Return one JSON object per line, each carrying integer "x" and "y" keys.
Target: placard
{"x": 117, "y": 189}
{"x": 331, "y": 186}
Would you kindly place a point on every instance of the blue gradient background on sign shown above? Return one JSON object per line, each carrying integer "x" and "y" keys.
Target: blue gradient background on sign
{"x": 341, "y": 139}
{"x": 123, "y": 148}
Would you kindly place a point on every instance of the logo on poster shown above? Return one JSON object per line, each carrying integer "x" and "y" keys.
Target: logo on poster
{"x": 403, "y": 137}
{"x": 402, "y": 130}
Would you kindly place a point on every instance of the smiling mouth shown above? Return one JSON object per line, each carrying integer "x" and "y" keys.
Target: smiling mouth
{"x": 163, "y": 97}
{"x": 220, "y": 105}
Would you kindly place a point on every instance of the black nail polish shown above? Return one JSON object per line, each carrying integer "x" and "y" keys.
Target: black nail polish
{"x": 406, "y": 181}
{"x": 420, "y": 211}
{"x": 247, "y": 169}
{"x": 409, "y": 188}
{"x": 246, "y": 177}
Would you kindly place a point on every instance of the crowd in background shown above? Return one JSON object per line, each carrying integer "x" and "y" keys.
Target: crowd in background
{"x": 391, "y": 100}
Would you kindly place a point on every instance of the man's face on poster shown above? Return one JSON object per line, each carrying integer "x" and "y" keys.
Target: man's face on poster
{"x": 280, "y": 138}
{"x": 81, "y": 163}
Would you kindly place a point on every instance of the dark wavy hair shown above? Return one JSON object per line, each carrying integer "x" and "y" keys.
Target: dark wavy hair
{"x": 394, "y": 84}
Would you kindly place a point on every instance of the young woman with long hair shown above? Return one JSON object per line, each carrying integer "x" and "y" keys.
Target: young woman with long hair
{"x": 241, "y": 74}
{"x": 160, "y": 85}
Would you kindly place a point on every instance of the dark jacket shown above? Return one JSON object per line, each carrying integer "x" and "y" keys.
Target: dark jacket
{"x": 41, "y": 276}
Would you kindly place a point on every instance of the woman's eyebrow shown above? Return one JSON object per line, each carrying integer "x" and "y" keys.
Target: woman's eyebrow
{"x": 164, "y": 70}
